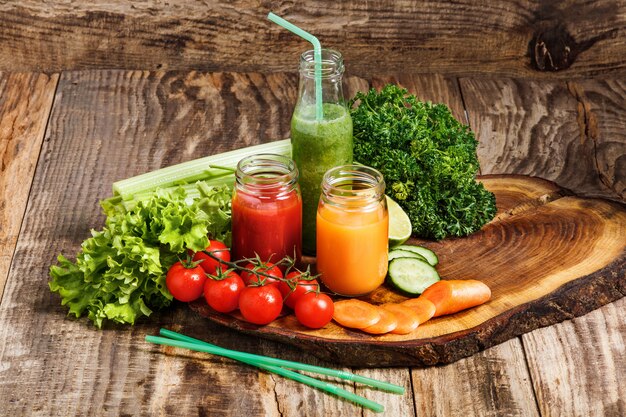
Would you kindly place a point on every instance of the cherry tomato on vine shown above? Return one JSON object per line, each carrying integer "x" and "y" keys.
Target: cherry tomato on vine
{"x": 223, "y": 294}
{"x": 260, "y": 305}
{"x": 185, "y": 281}
{"x": 314, "y": 310}
{"x": 301, "y": 287}
{"x": 266, "y": 268}
{"x": 217, "y": 249}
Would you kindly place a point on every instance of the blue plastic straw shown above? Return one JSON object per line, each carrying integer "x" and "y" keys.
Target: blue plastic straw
{"x": 317, "y": 56}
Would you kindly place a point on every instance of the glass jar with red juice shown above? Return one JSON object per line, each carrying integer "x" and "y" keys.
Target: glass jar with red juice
{"x": 267, "y": 209}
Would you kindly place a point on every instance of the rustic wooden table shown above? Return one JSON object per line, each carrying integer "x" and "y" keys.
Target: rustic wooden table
{"x": 65, "y": 137}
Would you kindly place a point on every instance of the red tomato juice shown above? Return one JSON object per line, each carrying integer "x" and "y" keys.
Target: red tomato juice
{"x": 268, "y": 225}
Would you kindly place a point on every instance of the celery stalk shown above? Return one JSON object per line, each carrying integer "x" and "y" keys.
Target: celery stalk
{"x": 218, "y": 168}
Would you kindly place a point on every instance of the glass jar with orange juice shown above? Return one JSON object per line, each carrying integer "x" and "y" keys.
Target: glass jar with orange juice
{"x": 352, "y": 230}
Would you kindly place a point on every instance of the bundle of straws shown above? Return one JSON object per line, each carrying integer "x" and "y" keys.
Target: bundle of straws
{"x": 283, "y": 367}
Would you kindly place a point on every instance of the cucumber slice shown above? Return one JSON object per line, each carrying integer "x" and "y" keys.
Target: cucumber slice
{"x": 399, "y": 253}
{"x": 420, "y": 250}
{"x": 411, "y": 275}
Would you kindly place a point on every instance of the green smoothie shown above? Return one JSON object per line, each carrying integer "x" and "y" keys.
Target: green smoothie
{"x": 317, "y": 147}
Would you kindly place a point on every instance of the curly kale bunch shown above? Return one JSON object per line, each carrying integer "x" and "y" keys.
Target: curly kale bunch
{"x": 428, "y": 159}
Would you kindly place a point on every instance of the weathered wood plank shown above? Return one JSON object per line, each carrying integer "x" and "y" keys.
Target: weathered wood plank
{"x": 25, "y": 102}
{"x": 295, "y": 399}
{"x": 578, "y": 366}
{"x": 105, "y": 126}
{"x": 529, "y": 127}
{"x": 569, "y": 133}
{"x": 602, "y": 120}
{"x": 512, "y": 38}
{"x": 502, "y": 366}
{"x": 109, "y": 125}
{"x": 395, "y": 405}
{"x": 494, "y": 382}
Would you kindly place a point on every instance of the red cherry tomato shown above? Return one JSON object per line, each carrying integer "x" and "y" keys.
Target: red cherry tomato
{"x": 223, "y": 295}
{"x": 267, "y": 268}
{"x": 314, "y": 310}
{"x": 185, "y": 284}
{"x": 260, "y": 305}
{"x": 302, "y": 286}
{"x": 217, "y": 249}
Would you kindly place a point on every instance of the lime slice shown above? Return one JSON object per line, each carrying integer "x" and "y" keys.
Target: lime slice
{"x": 399, "y": 224}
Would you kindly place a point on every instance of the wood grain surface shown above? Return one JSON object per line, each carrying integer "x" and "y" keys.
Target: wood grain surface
{"x": 602, "y": 121}
{"x": 548, "y": 130}
{"x": 107, "y": 125}
{"x": 546, "y": 258}
{"x": 104, "y": 126}
{"x": 577, "y": 366}
{"x": 565, "y": 39}
{"x": 485, "y": 384}
{"x": 25, "y": 103}
{"x": 491, "y": 368}
{"x": 535, "y": 114}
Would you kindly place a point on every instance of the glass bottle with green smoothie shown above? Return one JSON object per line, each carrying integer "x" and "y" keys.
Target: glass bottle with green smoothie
{"x": 320, "y": 141}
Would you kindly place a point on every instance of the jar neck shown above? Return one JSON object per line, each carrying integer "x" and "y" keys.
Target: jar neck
{"x": 332, "y": 69}
{"x": 353, "y": 187}
{"x": 266, "y": 175}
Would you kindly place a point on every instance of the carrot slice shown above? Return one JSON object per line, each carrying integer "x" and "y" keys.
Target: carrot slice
{"x": 356, "y": 314}
{"x": 424, "y": 308}
{"x": 387, "y": 323}
{"x": 450, "y": 296}
{"x": 407, "y": 318}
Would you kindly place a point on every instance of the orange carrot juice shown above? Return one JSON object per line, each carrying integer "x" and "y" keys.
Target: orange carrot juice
{"x": 352, "y": 233}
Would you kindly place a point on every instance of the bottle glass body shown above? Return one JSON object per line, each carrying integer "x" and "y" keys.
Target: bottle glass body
{"x": 319, "y": 144}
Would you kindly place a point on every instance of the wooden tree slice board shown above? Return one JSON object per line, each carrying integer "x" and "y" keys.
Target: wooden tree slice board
{"x": 547, "y": 256}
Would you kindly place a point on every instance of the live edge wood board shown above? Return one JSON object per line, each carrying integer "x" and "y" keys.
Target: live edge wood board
{"x": 548, "y": 256}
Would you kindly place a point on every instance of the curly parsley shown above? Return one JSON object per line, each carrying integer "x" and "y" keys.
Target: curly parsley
{"x": 428, "y": 159}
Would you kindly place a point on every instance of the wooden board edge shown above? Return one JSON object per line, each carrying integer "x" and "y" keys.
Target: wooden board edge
{"x": 572, "y": 299}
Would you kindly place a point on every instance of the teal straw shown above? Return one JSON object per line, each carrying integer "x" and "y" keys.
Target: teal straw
{"x": 386, "y": 386}
{"x": 317, "y": 56}
{"x": 305, "y": 379}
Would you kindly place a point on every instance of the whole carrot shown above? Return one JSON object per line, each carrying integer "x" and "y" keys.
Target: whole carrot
{"x": 450, "y": 296}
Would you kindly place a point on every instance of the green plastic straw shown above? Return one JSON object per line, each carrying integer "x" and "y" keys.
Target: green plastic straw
{"x": 317, "y": 56}
{"x": 305, "y": 379}
{"x": 386, "y": 386}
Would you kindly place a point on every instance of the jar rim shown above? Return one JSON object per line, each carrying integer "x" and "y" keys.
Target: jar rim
{"x": 353, "y": 184}
{"x": 332, "y": 63}
{"x": 261, "y": 173}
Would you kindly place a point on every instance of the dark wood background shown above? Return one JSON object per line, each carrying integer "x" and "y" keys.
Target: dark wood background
{"x": 65, "y": 138}
{"x": 93, "y": 93}
{"x": 521, "y": 38}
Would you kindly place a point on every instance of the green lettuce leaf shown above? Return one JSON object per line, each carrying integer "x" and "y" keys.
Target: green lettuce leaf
{"x": 119, "y": 274}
